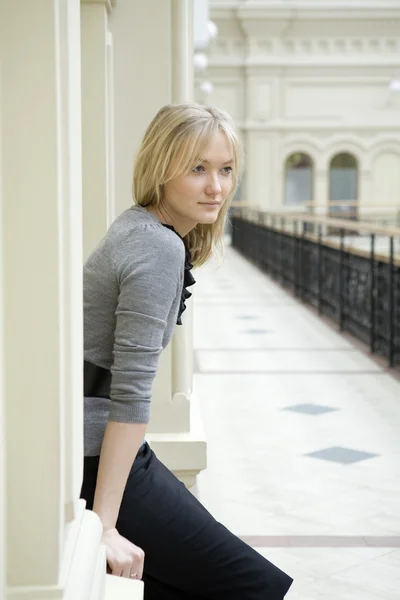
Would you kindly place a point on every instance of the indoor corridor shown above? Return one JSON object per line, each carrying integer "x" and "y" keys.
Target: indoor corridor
{"x": 302, "y": 428}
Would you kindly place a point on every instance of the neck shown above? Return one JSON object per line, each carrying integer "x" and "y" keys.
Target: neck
{"x": 180, "y": 224}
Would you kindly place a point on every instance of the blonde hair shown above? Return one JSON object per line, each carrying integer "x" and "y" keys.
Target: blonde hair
{"x": 172, "y": 146}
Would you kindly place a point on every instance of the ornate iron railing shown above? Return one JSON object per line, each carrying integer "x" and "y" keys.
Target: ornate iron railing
{"x": 358, "y": 288}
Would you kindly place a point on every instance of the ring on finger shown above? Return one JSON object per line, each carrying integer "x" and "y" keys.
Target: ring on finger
{"x": 133, "y": 575}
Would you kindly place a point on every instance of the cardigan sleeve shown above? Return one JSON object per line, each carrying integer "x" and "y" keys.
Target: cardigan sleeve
{"x": 149, "y": 270}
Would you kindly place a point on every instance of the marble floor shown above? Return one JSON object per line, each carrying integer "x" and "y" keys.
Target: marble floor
{"x": 303, "y": 434}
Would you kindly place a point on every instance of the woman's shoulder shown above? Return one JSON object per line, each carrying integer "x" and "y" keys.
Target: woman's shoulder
{"x": 138, "y": 232}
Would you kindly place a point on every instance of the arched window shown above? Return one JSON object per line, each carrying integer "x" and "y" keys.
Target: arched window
{"x": 298, "y": 179}
{"x": 343, "y": 184}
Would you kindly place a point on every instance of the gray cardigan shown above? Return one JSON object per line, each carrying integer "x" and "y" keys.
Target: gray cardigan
{"x": 132, "y": 286}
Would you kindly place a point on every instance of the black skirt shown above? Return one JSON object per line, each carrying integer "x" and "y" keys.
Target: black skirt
{"x": 188, "y": 554}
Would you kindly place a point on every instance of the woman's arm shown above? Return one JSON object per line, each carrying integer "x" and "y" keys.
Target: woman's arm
{"x": 148, "y": 267}
{"x": 120, "y": 446}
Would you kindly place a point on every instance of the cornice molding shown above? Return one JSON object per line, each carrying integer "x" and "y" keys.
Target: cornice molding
{"x": 290, "y": 18}
{"x": 345, "y": 62}
{"x": 253, "y": 9}
{"x": 281, "y": 126}
{"x": 300, "y": 10}
{"x": 109, "y": 4}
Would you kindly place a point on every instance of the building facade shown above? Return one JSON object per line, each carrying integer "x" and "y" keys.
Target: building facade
{"x": 315, "y": 88}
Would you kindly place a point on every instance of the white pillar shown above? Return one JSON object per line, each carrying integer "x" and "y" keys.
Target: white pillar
{"x": 142, "y": 76}
{"x": 182, "y": 50}
{"x": 52, "y": 543}
{"x": 98, "y": 213}
{"x": 176, "y": 368}
{"x": 321, "y": 192}
{"x": 2, "y": 411}
{"x": 260, "y": 151}
{"x": 97, "y": 123}
{"x": 164, "y": 76}
{"x": 182, "y": 91}
{"x": 176, "y": 413}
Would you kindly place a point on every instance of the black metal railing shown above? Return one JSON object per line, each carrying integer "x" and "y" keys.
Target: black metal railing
{"x": 359, "y": 289}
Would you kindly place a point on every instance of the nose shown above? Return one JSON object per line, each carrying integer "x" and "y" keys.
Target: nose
{"x": 213, "y": 186}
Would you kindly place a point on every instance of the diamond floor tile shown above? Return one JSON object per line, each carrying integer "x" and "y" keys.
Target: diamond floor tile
{"x": 310, "y": 409}
{"x": 247, "y": 317}
{"x": 256, "y": 331}
{"x": 346, "y": 456}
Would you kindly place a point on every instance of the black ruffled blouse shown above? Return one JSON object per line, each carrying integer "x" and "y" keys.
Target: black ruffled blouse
{"x": 188, "y": 278}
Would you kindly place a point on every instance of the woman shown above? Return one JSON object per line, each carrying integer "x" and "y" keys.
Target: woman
{"x": 134, "y": 293}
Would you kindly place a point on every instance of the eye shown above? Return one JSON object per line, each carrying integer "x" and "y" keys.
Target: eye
{"x": 198, "y": 169}
{"x": 227, "y": 170}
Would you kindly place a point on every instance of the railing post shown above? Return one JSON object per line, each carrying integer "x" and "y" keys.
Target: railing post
{"x": 295, "y": 254}
{"x": 372, "y": 296}
{"x": 391, "y": 304}
{"x": 270, "y": 243}
{"x": 264, "y": 246}
{"x": 319, "y": 299}
{"x": 340, "y": 291}
{"x": 281, "y": 250}
{"x": 301, "y": 257}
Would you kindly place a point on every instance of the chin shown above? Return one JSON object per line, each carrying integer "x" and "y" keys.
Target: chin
{"x": 208, "y": 219}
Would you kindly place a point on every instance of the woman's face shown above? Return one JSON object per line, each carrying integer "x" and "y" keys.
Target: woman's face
{"x": 198, "y": 196}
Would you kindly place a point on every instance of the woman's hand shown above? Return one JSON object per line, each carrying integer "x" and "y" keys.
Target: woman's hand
{"x": 124, "y": 559}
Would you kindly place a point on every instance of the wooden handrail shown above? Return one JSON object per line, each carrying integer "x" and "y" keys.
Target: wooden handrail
{"x": 346, "y": 203}
{"x": 359, "y": 226}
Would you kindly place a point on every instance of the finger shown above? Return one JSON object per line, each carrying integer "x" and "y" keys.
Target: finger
{"x": 117, "y": 571}
{"x": 140, "y": 566}
{"x": 126, "y": 572}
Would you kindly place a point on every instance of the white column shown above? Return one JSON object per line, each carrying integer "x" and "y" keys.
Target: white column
{"x": 148, "y": 76}
{"x": 98, "y": 213}
{"x": 182, "y": 50}
{"x": 97, "y": 123}
{"x": 321, "y": 191}
{"x": 142, "y": 76}
{"x": 260, "y": 153}
{"x": 52, "y": 543}
{"x": 176, "y": 366}
{"x": 2, "y": 398}
{"x": 182, "y": 91}
{"x": 33, "y": 201}
{"x": 185, "y": 451}
{"x": 364, "y": 192}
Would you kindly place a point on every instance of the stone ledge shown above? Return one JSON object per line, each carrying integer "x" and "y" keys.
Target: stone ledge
{"x": 121, "y": 588}
{"x": 185, "y": 454}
